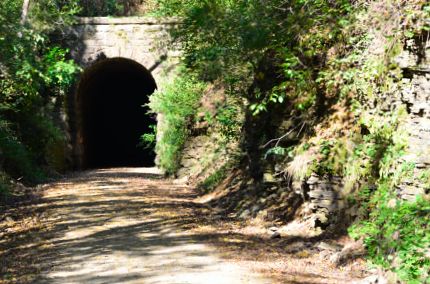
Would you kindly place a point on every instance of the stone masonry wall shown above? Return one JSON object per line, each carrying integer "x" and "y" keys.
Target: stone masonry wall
{"x": 143, "y": 39}
{"x": 325, "y": 193}
{"x": 415, "y": 94}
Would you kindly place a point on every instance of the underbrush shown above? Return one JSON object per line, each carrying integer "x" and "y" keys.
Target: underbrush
{"x": 17, "y": 159}
{"x": 215, "y": 178}
{"x": 397, "y": 234}
{"x": 177, "y": 104}
{"x": 35, "y": 76}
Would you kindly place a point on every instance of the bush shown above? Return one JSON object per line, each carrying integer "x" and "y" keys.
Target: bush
{"x": 397, "y": 235}
{"x": 396, "y": 232}
{"x": 94, "y": 8}
{"x": 17, "y": 159}
{"x": 33, "y": 74}
{"x": 177, "y": 104}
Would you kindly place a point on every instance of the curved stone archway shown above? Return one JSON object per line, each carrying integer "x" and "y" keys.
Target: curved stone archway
{"x": 145, "y": 40}
{"x": 93, "y": 42}
{"x": 111, "y": 116}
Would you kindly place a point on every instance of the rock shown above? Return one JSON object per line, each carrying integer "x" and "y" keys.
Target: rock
{"x": 283, "y": 195}
{"x": 262, "y": 214}
{"x": 9, "y": 219}
{"x": 245, "y": 214}
{"x": 373, "y": 279}
{"x": 295, "y": 247}
{"x": 350, "y": 251}
{"x": 275, "y": 235}
{"x": 323, "y": 194}
{"x": 314, "y": 179}
{"x": 273, "y": 197}
{"x": 303, "y": 254}
{"x": 273, "y": 229}
{"x": 296, "y": 185}
{"x": 319, "y": 219}
{"x": 328, "y": 247}
{"x": 335, "y": 258}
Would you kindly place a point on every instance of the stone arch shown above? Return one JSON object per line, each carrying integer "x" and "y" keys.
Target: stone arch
{"x": 110, "y": 114}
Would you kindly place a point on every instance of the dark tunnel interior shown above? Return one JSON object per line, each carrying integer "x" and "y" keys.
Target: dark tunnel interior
{"x": 111, "y": 95}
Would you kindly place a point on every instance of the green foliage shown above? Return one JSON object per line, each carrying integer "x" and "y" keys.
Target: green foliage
{"x": 309, "y": 54}
{"x": 33, "y": 74}
{"x": 51, "y": 15}
{"x": 397, "y": 234}
{"x": 177, "y": 103}
{"x": 148, "y": 140}
{"x": 18, "y": 161}
{"x": 246, "y": 42}
{"x": 334, "y": 155}
{"x": 229, "y": 122}
{"x": 59, "y": 73}
{"x": 377, "y": 153}
{"x": 96, "y": 8}
{"x": 276, "y": 151}
{"x": 215, "y": 179}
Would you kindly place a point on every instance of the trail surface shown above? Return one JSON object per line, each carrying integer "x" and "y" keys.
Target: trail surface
{"x": 130, "y": 225}
{"x": 127, "y": 226}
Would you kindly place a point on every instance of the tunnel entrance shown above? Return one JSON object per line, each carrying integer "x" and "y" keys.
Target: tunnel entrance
{"x": 110, "y": 100}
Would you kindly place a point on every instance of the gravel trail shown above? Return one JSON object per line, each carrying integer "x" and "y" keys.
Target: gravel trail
{"x": 129, "y": 226}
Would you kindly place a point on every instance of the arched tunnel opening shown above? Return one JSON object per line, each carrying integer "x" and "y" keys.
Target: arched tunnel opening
{"x": 112, "y": 114}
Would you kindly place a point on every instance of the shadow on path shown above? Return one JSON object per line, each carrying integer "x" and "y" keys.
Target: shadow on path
{"x": 133, "y": 226}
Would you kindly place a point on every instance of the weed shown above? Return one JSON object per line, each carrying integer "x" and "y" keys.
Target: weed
{"x": 177, "y": 103}
{"x": 215, "y": 178}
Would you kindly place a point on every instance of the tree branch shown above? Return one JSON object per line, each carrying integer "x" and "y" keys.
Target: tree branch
{"x": 278, "y": 140}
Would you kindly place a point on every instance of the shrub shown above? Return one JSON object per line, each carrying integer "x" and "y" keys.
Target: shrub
{"x": 33, "y": 74}
{"x": 177, "y": 104}
{"x": 397, "y": 234}
{"x": 18, "y": 161}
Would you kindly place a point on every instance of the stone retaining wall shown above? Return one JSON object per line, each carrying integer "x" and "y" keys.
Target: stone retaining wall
{"x": 324, "y": 194}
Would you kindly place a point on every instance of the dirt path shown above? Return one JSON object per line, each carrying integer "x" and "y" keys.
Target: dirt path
{"x": 132, "y": 226}
{"x": 126, "y": 226}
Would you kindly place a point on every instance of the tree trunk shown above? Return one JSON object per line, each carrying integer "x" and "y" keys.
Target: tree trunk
{"x": 25, "y": 7}
{"x": 126, "y": 7}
